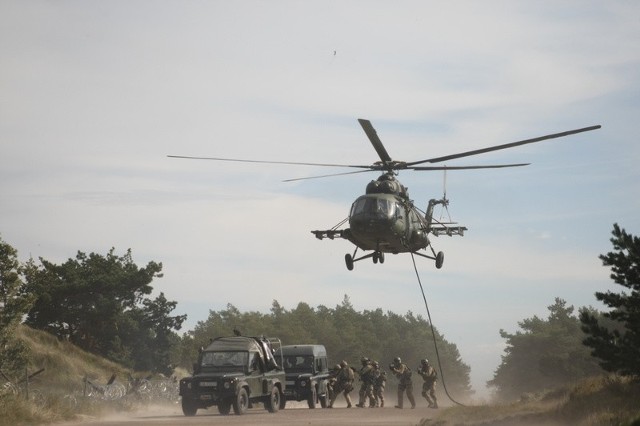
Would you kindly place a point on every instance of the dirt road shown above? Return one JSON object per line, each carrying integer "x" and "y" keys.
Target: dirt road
{"x": 292, "y": 415}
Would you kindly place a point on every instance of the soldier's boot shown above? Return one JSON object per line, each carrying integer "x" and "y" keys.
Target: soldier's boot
{"x": 429, "y": 400}
{"x": 435, "y": 403}
{"x": 411, "y": 399}
{"x": 348, "y": 398}
{"x": 399, "y": 399}
{"x": 381, "y": 402}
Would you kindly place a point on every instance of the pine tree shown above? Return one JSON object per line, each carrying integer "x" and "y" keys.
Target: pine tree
{"x": 14, "y": 304}
{"x": 618, "y": 348}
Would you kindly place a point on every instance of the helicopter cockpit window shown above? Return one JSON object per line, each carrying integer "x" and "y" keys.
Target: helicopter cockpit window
{"x": 374, "y": 208}
{"x": 387, "y": 208}
{"x": 358, "y": 207}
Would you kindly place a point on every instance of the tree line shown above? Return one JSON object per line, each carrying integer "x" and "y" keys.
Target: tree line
{"x": 566, "y": 347}
{"x": 99, "y": 303}
{"x": 102, "y": 304}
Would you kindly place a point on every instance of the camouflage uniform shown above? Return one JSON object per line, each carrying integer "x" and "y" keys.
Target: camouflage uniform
{"x": 403, "y": 373}
{"x": 379, "y": 384}
{"x": 332, "y": 382}
{"x": 366, "y": 386}
{"x": 344, "y": 384}
{"x": 430, "y": 377}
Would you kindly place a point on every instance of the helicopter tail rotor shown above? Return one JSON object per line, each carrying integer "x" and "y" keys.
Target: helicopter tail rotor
{"x": 445, "y": 200}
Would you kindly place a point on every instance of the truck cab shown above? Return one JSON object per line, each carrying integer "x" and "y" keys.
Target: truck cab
{"x": 307, "y": 374}
{"x": 235, "y": 372}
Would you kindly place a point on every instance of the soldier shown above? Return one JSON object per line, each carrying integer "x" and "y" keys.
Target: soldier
{"x": 344, "y": 383}
{"x": 366, "y": 380}
{"x": 430, "y": 377}
{"x": 379, "y": 384}
{"x": 403, "y": 373}
{"x": 332, "y": 383}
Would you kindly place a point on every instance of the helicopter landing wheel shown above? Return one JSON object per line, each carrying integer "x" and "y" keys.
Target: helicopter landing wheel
{"x": 349, "y": 261}
{"x": 375, "y": 257}
{"x": 381, "y": 257}
{"x": 439, "y": 259}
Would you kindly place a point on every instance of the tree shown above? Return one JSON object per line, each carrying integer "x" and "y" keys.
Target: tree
{"x": 99, "y": 303}
{"x": 13, "y": 306}
{"x": 618, "y": 348}
{"x": 545, "y": 354}
{"x": 148, "y": 335}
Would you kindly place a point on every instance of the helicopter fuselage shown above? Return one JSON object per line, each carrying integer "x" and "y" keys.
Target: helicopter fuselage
{"x": 386, "y": 223}
{"x": 384, "y": 220}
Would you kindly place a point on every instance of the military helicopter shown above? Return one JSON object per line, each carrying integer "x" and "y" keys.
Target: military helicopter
{"x": 385, "y": 219}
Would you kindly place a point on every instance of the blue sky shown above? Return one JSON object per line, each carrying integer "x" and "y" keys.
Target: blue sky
{"x": 96, "y": 94}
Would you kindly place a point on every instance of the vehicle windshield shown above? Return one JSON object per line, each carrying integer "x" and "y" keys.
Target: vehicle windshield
{"x": 227, "y": 359}
{"x": 298, "y": 363}
{"x": 374, "y": 207}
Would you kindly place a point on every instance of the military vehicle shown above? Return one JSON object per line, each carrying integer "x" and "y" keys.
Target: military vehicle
{"x": 307, "y": 372}
{"x": 235, "y": 372}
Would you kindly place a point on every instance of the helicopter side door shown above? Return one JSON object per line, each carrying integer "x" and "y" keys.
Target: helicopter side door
{"x": 416, "y": 237}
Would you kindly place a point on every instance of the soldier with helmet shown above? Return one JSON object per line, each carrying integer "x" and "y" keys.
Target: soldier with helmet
{"x": 343, "y": 383}
{"x": 366, "y": 383}
{"x": 403, "y": 373}
{"x": 332, "y": 382}
{"x": 430, "y": 377}
{"x": 379, "y": 384}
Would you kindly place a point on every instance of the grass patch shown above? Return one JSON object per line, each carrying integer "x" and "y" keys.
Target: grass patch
{"x": 609, "y": 400}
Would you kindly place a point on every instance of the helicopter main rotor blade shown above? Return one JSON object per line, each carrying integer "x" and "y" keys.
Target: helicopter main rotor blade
{"x": 269, "y": 162}
{"x": 505, "y": 146}
{"x": 331, "y": 175}
{"x": 375, "y": 140}
{"x": 495, "y": 166}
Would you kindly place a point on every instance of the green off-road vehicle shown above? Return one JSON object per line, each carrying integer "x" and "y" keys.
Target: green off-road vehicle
{"x": 307, "y": 374}
{"x": 235, "y": 372}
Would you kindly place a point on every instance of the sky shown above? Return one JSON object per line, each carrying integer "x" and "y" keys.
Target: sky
{"x": 96, "y": 94}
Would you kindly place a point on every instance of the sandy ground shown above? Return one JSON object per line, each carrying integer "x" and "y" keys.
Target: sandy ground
{"x": 294, "y": 414}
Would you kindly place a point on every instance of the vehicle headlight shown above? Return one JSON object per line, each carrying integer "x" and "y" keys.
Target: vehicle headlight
{"x": 189, "y": 385}
{"x": 303, "y": 383}
{"x": 227, "y": 385}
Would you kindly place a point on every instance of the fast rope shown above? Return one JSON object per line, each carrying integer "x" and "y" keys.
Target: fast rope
{"x": 433, "y": 333}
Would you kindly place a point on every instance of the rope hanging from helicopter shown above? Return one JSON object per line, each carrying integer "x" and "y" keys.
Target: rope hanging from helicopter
{"x": 433, "y": 334}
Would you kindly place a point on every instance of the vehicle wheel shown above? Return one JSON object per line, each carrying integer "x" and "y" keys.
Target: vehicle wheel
{"x": 241, "y": 402}
{"x": 381, "y": 256}
{"x": 283, "y": 401}
{"x": 439, "y": 259}
{"x": 311, "y": 400}
{"x": 349, "y": 261}
{"x": 189, "y": 407}
{"x": 273, "y": 403}
{"x": 224, "y": 407}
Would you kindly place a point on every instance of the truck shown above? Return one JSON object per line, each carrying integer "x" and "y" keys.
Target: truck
{"x": 307, "y": 374}
{"x": 235, "y": 372}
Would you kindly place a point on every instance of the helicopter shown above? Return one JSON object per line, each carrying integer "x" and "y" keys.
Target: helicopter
{"x": 385, "y": 219}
